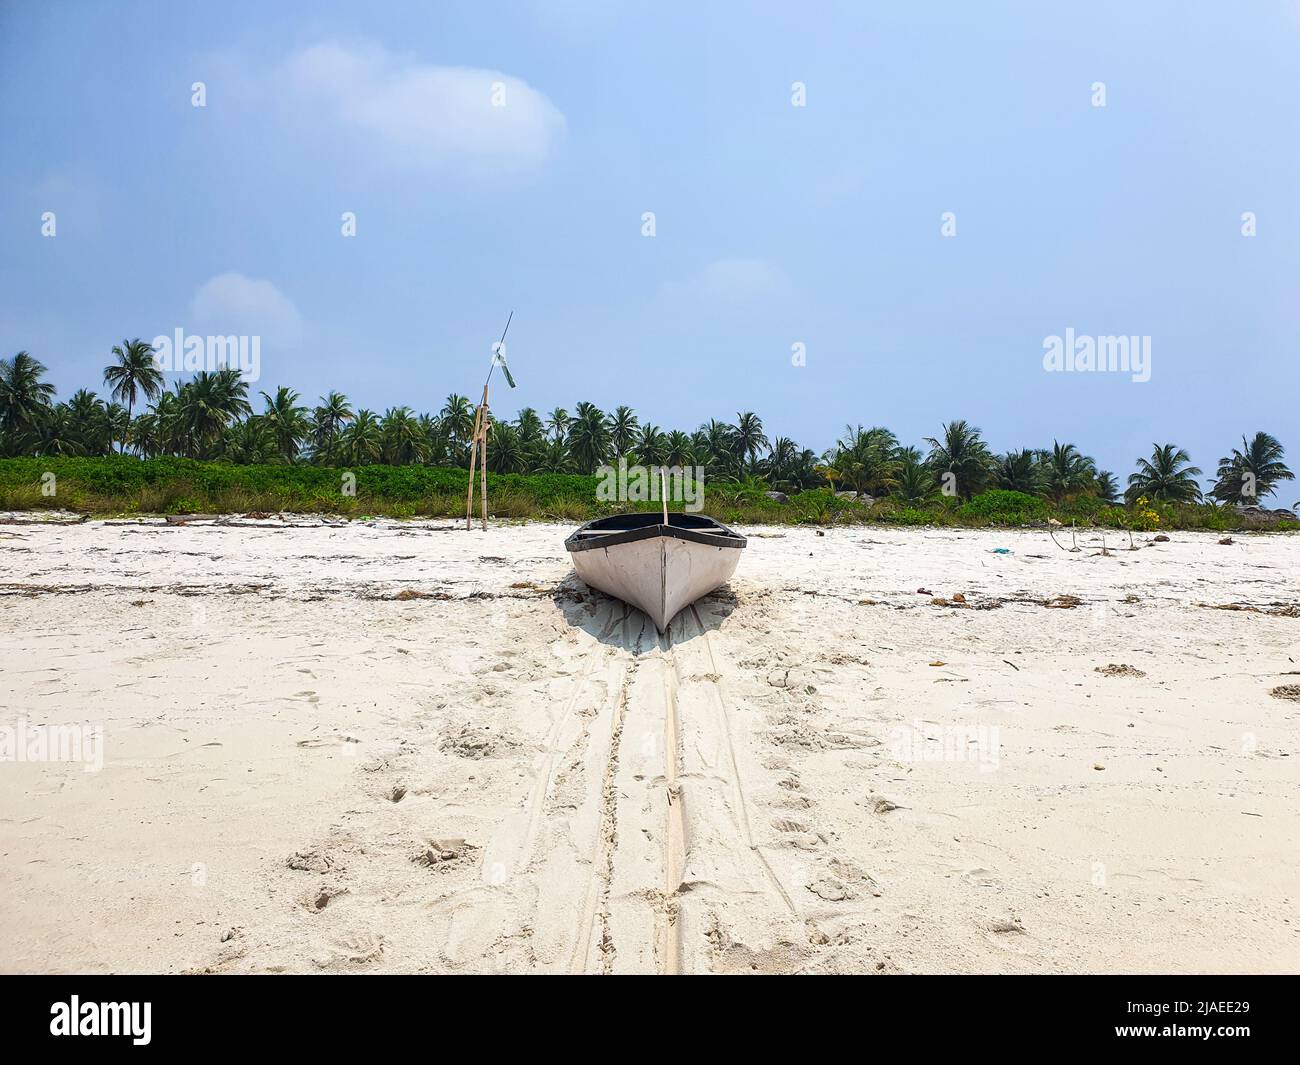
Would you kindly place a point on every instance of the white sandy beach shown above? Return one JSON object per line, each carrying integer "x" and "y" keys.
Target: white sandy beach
{"x": 404, "y": 747}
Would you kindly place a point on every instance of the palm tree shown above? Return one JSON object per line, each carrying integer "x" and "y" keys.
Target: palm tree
{"x": 506, "y": 451}
{"x": 865, "y": 459}
{"x": 678, "y": 450}
{"x": 1248, "y": 475}
{"x": 207, "y": 404}
{"x": 558, "y": 422}
{"x": 89, "y": 423}
{"x": 622, "y": 430}
{"x": 287, "y": 422}
{"x": 57, "y": 433}
{"x": 588, "y": 437}
{"x": 328, "y": 418}
{"x": 914, "y": 482}
{"x": 1066, "y": 472}
{"x": 781, "y": 462}
{"x": 251, "y": 442}
{"x": 1019, "y": 471}
{"x": 1107, "y": 487}
{"x": 144, "y": 435}
{"x": 362, "y": 443}
{"x": 457, "y": 421}
{"x": 402, "y": 441}
{"x": 650, "y": 445}
{"x": 1166, "y": 475}
{"x": 24, "y": 400}
{"x": 135, "y": 373}
{"x": 748, "y": 436}
{"x": 963, "y": 454}
{"x": 529, "y": 426}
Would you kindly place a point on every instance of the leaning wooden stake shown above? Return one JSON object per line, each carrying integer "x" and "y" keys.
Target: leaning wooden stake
{"x": 473, "y": 456}
{"x": 478, "y": 452}
{"x": 482, "y": 458}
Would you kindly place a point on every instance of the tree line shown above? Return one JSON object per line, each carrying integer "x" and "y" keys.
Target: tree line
{"x": 211, "y": 416}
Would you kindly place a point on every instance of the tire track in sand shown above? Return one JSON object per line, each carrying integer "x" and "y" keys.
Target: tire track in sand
{"x": 595, "y": 912}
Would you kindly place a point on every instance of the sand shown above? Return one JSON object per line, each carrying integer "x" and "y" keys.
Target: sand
{"x": 400, "y": 747}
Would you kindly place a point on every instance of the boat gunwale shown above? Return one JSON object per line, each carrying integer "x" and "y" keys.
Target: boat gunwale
{"x": 585, "y": 539}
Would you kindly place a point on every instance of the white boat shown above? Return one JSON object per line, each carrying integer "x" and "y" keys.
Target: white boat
{"x": 659, "y": 567}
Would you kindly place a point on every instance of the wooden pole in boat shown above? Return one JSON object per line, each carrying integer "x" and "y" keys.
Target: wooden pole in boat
{"x": 663, "y": 493}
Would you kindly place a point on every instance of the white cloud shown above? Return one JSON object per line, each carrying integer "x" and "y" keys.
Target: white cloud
{"x": 433, "y": 115}
{"x": 231, "y": 304}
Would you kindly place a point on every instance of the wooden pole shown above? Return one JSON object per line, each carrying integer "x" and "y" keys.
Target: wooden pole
{"x": 478, "y": 456}
{"x": 482, "y": 457}
{"x": 473, "y": 455}
{"x": 663, "y": 493}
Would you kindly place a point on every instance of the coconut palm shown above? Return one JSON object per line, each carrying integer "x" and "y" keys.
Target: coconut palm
{"x": 207, "y": 404}
{"x": 506, "y": 450}
{"x": 781, "y": 464}
{"x": 914, "y": 483}
{"x": 678, "y": 450}
{"x": 401, "y": 439}
{"x": 287, "y": 422}
{"x": 331, "y": 414}
{"x": 962, "y": 453}
{"x": 252, "y": 442}
{"x": 558, "y": 422}
{"x": 457, "y": 421}
{"x": 747, "y": 438}
{"x": 134, "y": 374}
{"x": 361, "y": 442}
{"x": 1246, "y": 476}
{"x": 622, "y": 430}
{"x": 57, "y": 433}
{"x": 1066, "y": 472}
{"x": 1107, "y": 488}
{"x": 1019, "y": 471}
{"x": 88, "y": 423}
{"x": 650, "y": 445}
{"x": 866, "y": 459}
{"x": 24, "y": 400}
{"x": 1166, "y": 475}
{"x": 588, "y": 437}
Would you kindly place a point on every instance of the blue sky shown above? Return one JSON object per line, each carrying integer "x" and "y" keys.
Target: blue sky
{"x": 775, "y": 224}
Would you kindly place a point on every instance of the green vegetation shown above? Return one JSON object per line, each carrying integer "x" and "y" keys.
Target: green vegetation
{"x": 123, "y": 484}
{"x": 201, "y": 447}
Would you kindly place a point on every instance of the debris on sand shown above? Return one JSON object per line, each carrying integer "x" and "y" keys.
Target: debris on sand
{"x": 438, "y": 852}
{"x": 1277, "y": 610}
{"x": 1287, "y": 691}
{"x": 311, "y": 861}
{"x": 1063, "y": 602}
{"x": 1121, "y": 669}
{"x": 1226, "y": 541}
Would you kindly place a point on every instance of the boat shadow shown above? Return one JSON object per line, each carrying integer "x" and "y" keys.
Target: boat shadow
{"x": 618, "y": 624}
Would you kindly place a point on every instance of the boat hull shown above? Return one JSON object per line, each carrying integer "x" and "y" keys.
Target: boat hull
{"x": 658, "y": 569}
